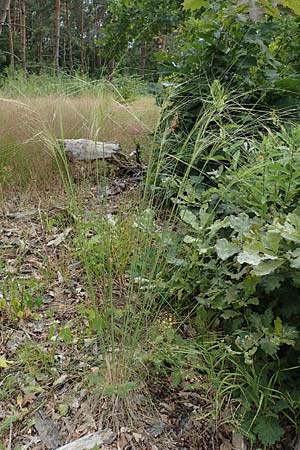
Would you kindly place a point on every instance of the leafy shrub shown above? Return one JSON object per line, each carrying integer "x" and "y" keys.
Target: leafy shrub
{"x": 236, "y": 266}
{"x": 223, "y": 41}
{"x": 233, "y": 177}
{"x": 221, "y": 46}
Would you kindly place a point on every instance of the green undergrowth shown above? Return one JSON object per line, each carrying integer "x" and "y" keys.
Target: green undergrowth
{"x": 23, "y": 84}
{"x": 233, "y": 180}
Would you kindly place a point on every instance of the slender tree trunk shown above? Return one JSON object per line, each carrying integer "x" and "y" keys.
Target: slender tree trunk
{"x": 14, "y": 18}
{"x": 99, "y": 11}
{"x": 97, "y": 58}
{"x": 56, "y": 34}
{"x": 143, "y": 58}
{"x": 64, "y": 59}
{"x": 39, "y": 47}
{"x": 11, "y": 42}
{"x": 4, "y": 6}
{"x": 90, "y": 60}
{"x": 111, "y": 69}
{"x": 69, "y": 36}
{"x": 23, "y": 32}
{"x": 82, "y": 52}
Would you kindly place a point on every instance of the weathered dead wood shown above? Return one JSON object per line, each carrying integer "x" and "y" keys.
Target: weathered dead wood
{"x": 238, "y": 442}
{"x": 90, "y": 440}
{"x": 47, "y": 430}
{"x": 297, "y": 445}
{"x": 87, "y": 150}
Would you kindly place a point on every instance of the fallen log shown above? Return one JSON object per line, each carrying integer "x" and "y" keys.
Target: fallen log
{"x": 90, "y": 441}
{"x": 87, "y": 150}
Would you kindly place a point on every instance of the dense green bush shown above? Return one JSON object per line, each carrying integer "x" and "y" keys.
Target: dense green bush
{"x": 233, "y": 263}
{"x": 257, "y": 60}
{"x": 257, "y": 57}
{"x": 228, "y": 161}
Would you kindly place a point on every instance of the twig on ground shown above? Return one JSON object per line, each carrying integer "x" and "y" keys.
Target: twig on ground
{"x": 9, "y": 447}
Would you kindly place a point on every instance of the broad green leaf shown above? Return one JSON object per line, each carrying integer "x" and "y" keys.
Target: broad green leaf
{"x": 194, "y": 4}
{"x": 3, "y": 362}
{"x": 294, "y": 258}
{"x": 294, "y": 5}
{"x": 249, "y": 258}
{"x": 270, "y": 347}
{"x": 190, "y": 218}
{"x": 291, "y": 228}
{"x": 204, "y": 216}
{"x": 256, "y": 11}
{"x": 33, "y": 388}
{"x": 254, "y": 253}
{"x": 189, "y": 239}
{"x": 240, "y": 223}
{"x": 271, "y": 240}
{"x": 295, "y": 263}
{"x": 202, "y": 248}
{"x": 278, "y": 326}
{"x": 268, "y": 430}
{"x": 217, "y": 225}
{"x": 267, "y": 267}
{"x": 225, "y": 249}
{"x": 294, "y": 219}
{"x": 230, "y": 314}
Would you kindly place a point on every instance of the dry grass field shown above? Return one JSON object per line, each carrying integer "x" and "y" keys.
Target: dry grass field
{"x": 26, "y": 123}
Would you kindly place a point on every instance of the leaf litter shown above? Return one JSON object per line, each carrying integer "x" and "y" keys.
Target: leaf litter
{"x": 47, "y": 404}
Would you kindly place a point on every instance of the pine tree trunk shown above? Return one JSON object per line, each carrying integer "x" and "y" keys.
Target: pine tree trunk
{"x": 39, "y": 55}
{"x": 56, "y": 34}
{"x": 89, "y": 58}
{"x": 99, "y": 12}
{"x": 97, "y": 56}
{"x": 64, "y": 53}
{"x": 15, "y": 15}
{"x": 4, "y": 6}
{"x": 82, "y": 52}
{"x": 11, "y": 42}
{"x": 143, "y": 58}
{"x": 23, "y": 32}
{"x": 69, "y": 37}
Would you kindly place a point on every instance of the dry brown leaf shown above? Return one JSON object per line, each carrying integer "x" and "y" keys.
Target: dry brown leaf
{"x": 238, "y": 442}
{"x": 226, "y": 445}
{"x": 122, "y": 441}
